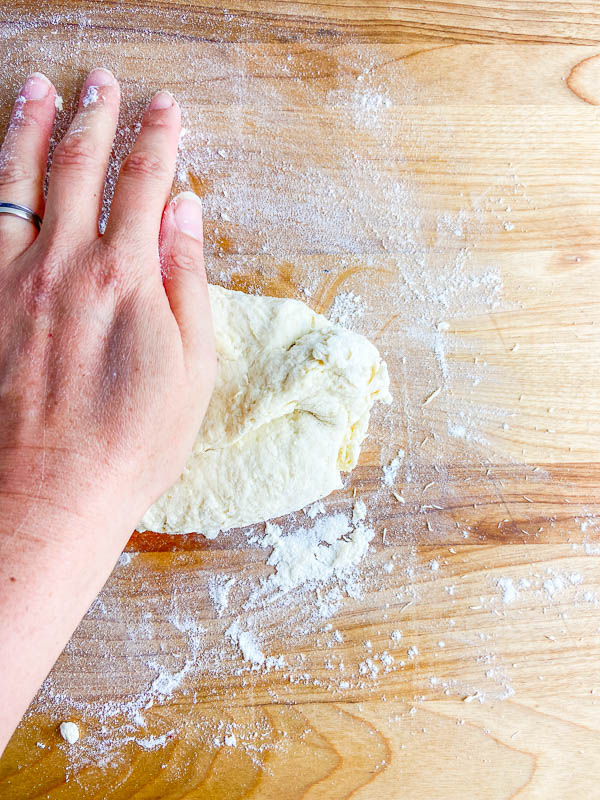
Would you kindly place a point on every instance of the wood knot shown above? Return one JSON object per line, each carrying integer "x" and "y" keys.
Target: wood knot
{"x": 584, "y": 80}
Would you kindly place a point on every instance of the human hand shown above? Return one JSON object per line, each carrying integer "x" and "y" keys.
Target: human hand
{"x": 107, "y": 362}
{"x": 105, "y": 368}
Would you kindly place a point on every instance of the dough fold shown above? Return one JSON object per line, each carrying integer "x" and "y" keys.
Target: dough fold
{"x": 289, "y": 411}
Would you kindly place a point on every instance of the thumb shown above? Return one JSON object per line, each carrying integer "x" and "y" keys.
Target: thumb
{"x": 184, "y": 279}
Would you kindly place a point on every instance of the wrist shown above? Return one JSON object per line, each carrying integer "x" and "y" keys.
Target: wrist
{"x": 61, "y": 492}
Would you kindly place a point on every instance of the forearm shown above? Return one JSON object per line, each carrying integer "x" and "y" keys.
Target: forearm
{"x": 53, "y": 563}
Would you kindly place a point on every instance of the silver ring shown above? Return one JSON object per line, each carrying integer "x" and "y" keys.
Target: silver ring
{"x": 21, "y": 211}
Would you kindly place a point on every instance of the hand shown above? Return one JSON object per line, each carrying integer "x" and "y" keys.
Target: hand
{"x": 107, "y": 362}
{"x": 105, "y": 368}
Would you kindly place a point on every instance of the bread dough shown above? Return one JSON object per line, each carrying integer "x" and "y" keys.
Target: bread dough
{"x": 69, "y": 732}
{"x": 289, "y": 411}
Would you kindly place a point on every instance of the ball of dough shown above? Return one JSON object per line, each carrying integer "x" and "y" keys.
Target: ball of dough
{"x": 69, "y": 732}
{"x": 289, "y": 412}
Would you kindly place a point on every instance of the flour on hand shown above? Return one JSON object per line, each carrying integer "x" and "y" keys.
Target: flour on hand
{"x": 289, "y": 412}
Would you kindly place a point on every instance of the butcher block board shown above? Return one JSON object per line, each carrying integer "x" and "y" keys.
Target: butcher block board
{"x": 436, "y": 168}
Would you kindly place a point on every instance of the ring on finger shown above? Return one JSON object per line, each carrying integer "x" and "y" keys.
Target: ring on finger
{"x": 23, "y": 212}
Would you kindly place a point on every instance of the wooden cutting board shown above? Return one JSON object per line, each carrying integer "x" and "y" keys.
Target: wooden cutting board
{"x": 441, "y": 162}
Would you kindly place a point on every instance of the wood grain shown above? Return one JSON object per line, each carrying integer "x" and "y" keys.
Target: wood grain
{"x": 542, "y": 21}
{"x": 413, "y": 726}
{"x": 492, "y": 106}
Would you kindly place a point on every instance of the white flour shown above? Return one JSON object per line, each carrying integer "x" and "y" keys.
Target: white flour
{"x": 391, "y": 470}
{"x": 218, "y": 591}
{"x": 91, "y": 96}
{"x": 318, "y": 554}
{"x": 508, "y": 589}
{"x": 247, "y": 644}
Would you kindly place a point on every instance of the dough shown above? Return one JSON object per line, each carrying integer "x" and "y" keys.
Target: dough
{"x": 289, "y": 411}
{"x": 69, "y": 732}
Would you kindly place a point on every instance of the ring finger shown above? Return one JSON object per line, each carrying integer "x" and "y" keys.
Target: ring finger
{"x": 23, "y": 159}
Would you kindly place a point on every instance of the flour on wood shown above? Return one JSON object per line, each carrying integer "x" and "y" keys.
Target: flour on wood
{"x": 310, "y": 555}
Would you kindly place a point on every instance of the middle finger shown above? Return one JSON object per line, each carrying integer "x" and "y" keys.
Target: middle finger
{"x": 80, "y": 161}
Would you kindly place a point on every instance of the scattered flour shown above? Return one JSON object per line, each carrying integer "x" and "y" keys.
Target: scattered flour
{"x": 554, "y": 585}
{"x": 359, "y": 512}
{"x": 347, "y": 308}
{"x": 154, "y": 742}
{"x": 508, "y": 590}
{"x": 391, "y": 470}
{"x": 315, "y": 509}
{"x": 247, "y": 643}
{"x": 166, "y": 682}
{"x": 307, "y": 555}
{"x": 218, "y": 591}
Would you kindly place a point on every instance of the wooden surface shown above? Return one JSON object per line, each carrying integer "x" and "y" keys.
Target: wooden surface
{"x": 491, "y": 109}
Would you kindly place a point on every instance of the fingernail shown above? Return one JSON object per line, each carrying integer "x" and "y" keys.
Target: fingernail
{"x": 162, "y": 99}
{"x": 100, "y": 77}
{"x": 188, "y": 214}
{"x": 95, "y": 80}
{"x": 36, "y": 87}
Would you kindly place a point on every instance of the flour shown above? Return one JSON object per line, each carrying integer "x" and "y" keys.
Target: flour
{"x": 347, "y": 309}
{"x": 391, "y": 470}
{"x": 368, "y": 103}
{"x": 359, "y": 512}
{"x": 218, "y": 591}
{"x": 508, "y": 589}
{"x": 315, "y": 509}
{"x": 91, "y": 96}
{"x": 154, "y": 742}
{"x": 554, "y": 585}
{"x": 247, "y": 643}
{"x": 330, "y": 548}
{"x": 165, "y": 682}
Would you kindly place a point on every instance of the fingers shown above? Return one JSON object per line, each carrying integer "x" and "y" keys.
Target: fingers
{"x": 146, "y": 176}
{"x": 23, "y": 160}
{"x": 185, "y": 281}
{"x": 80, "y": 161}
